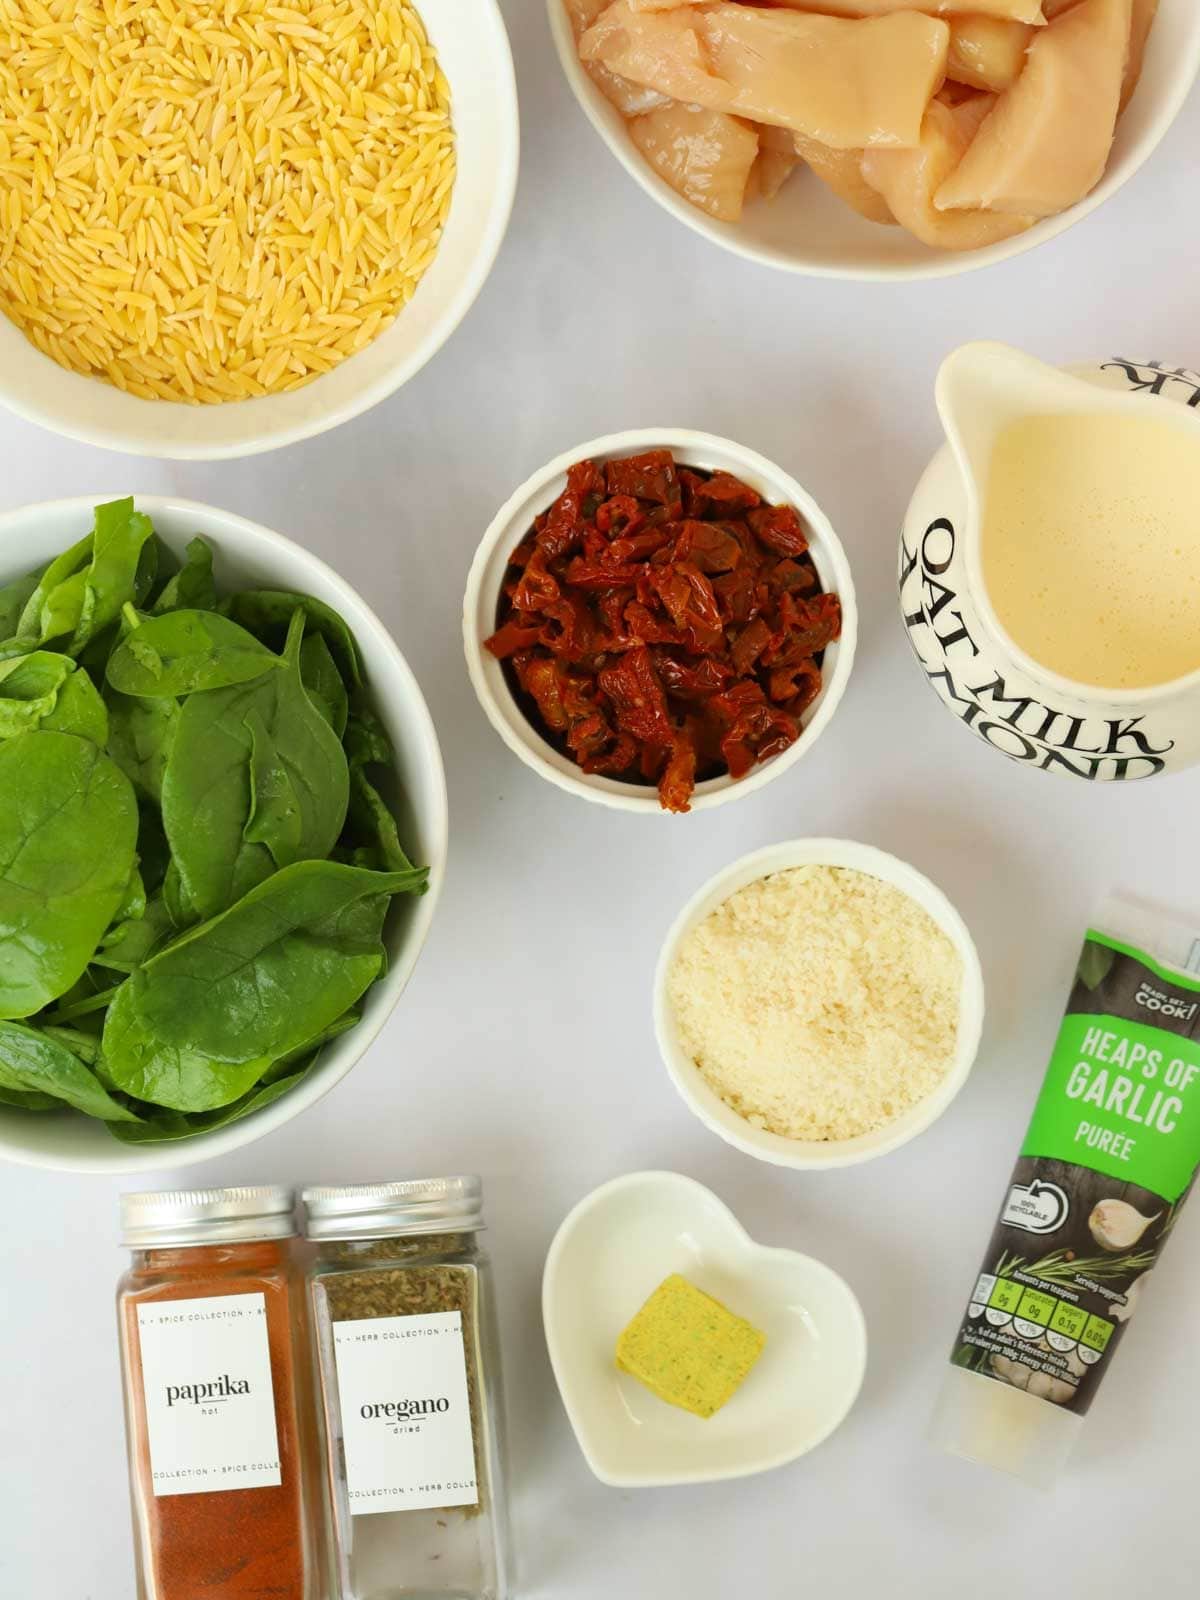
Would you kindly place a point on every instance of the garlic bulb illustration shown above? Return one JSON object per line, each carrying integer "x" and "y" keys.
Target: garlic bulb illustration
{"x": 1116, "y": 1225}
{"x": 1048, "y": 1388}
{"x": 1123, "y": 1313}
{"x": 1014, "y": 1372}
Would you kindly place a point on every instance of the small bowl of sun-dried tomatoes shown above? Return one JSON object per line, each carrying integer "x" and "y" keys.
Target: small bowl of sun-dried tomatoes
{"x": 660, "y": 621}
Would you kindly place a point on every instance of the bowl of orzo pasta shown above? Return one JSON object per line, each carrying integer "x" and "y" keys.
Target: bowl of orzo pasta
{"x": 228, "y": 225}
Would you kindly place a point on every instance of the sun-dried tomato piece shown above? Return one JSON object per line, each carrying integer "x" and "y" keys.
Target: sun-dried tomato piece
{"x": 566, "y": 518}
{"x": 749, "y": 645}
{"x": 638, "y": 546}
{"x": 778, "y": 529}
{"x": 678, "y": 777}
{"x": 588, "y": 730}
{"x": 620, "y": 513}
{"x": 569, "y": 631}
{"x": 794, "y": 577}
{"x": 796, "y": 686}
{"x": 737, "y": 595}
{"x": 650, "y": 476}
{"x": 542, "y": 680}
{"x": 622, "y": 756}
{"x": 707, "y": 545}
{"x": 583, "y": 574}
{"x": 758, "y": 733}
{"x": 687, "y": 595}
{"x": 638, "y": 701}
{"x": 649, "y": 628}
{"x": 811, "y": 624}
{"x": 510, "y": 638}
{"x": 721, "y": 494}
{"x": 536, "y": 585}
{"x": 694, "y": 679}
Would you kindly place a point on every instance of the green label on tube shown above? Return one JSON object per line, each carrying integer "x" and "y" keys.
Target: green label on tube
{"x": 1122, "y": 1098}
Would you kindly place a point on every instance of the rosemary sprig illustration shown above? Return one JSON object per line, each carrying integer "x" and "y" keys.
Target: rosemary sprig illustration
{"x": 1061, "y": 1266}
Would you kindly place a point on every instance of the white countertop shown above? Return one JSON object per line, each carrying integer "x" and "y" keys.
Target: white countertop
{"x": 523, "y": 1048}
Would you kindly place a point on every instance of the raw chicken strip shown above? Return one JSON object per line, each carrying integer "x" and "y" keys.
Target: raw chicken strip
{"x": 704, "y": 155}
{"x": 1047, "y": 142}
{"x": 909, "y": 179}
{"x": 841, "y": 171}
{"x": 777, "y": 160}
{"x": 1144, "y": 13}
{"x": 582, "y": 14}
{"x": 1014, "y": 10}
{"x": 630, "y": 99}
{"x": 846, "y": 83}
{"x": 986, "y": 52}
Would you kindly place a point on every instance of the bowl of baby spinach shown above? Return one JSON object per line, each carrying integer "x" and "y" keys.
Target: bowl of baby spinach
{"x": 222, "y": 832}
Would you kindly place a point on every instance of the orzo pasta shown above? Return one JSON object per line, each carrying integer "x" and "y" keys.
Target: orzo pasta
{"x": 208, "y": 202}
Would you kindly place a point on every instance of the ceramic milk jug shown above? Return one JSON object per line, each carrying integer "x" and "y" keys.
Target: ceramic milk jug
{"x": 993, "y": 687}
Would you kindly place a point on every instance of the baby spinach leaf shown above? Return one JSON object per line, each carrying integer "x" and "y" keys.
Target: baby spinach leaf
{"x": 235, "y": 994}
{"x": 306, "y": 1054}
{"x": 321, "y": 678}
{"x": 367, "y": 744}
{"x": 155, "y": 562}
{"x": 275, "y": 816}
{"x": 131, "y": 941}
{"x": 208, "y": 795}
{"x": 110, "y": 582}
{"x": 180, "y": 909}
{"x": 183, "y": 652}
{"x": 192, "y": 586}
{"x": 268, "y": 614}
{"x": 139, "y": 739}
{"x": 29, "y": 689}
{"x": 14, "y": 597}
{"x": 33, "y": 1062}
{"x": 143, "y": 1064}
{"x": 83, "y": 591}
{"x": 36, "y": 618}
{"x": 68, "y": 829}
{"x": 28, "y": 1101}
{"x": 79, "y": 710}
{"x": 373, "y": 827}
{"x": 162, "y": 1125}
{"x": 84, "y": 1045}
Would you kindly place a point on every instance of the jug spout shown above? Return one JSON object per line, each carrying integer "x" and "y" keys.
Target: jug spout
{"x": 985, "y": 386}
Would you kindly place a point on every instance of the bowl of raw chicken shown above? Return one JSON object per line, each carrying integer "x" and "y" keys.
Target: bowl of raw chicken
{"x": 880, "y": 138}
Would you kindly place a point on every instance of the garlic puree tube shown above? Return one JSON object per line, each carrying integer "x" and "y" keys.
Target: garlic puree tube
{"x": 1109, "y": 1159}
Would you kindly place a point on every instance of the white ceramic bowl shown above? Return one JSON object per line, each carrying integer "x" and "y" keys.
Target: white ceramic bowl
{"x": 249, "y": 555}
{"x": 474, "y": 53}
{"x": 513, "y": 521}
{"x": 807, "y": 229}
{"x": 812, "y": 1154}
{"x": 608, "y": 1257}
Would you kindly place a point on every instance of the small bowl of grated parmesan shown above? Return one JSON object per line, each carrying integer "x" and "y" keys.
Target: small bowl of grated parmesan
{"x": 819, "y": 1003}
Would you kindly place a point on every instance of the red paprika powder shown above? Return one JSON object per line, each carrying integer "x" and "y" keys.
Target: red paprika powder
{"x": 208, "y": 1336}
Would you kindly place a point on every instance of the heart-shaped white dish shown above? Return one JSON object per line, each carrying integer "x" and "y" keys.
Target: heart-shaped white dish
{"x": 611, "y": 1253}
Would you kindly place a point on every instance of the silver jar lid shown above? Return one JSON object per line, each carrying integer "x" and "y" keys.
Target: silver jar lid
{"x": 383, "y": 1210}
{"x": 207, "y": 1216}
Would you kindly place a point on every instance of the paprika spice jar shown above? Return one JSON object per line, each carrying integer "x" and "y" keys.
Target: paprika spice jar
{"x": 209, "y": 1324}
{"x": 408, "y": 1354}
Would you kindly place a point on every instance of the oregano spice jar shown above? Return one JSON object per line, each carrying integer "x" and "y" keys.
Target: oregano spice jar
{"x": 209, "y": 1321}
{"x": 408, "y": 1355}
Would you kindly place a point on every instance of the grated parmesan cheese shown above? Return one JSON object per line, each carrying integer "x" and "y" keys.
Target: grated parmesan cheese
{"x": 819, "y": 1003}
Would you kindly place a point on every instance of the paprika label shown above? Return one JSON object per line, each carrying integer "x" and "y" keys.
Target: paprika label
{"x": 210, "y": 1401}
